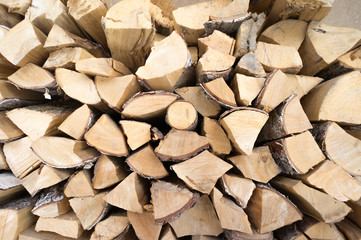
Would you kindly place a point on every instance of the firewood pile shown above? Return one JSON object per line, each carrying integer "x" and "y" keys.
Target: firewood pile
{"x": 173, "y": 119}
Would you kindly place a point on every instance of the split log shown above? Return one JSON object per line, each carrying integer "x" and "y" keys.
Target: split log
{"x": 129, "y": 36}
{"x": 350, "y": 230}
{"x": 8, "y": 130}
{"x": 108, "y": 171}
{"x": 353, "y": 131}
{"x": 137, "y": 133}
{"x": 105, "y": 67}
{"x": 106, "y": 136}
{"x": 6, "y": 67}
{"x": 162, "y": 23}
{"x": 273, "y": 56}
{"x": 79, "y": 185}
{"x": 179, "y": 145}
{"x": 193, "y": 174}
{"x": 265, "y": 198}
{"x": 311, "y": 201}
{"x": 217, "y": 138}
{"x": 249, "y": 65}
{"x": 290, "y": 232}
{"x": 20, "y": 157}
{"x": 319, "y": 230}
{"x": 170, "y": 201}
{"x": 239, "y": 129}
{"x": 31, "y": 234}
{"x": 66, "y": 58}
{"x": 29, "y": 40}
{"x": 10, "y": 187}
{"x": 146, "y": 163}
{"x": 18, "y": 6}
{"x": 167, "y": 233}
{"x": 144, "y": 225}
{"x": 330, "y": 136}
{"x": 168, "y": 6}
{"x": 313, "y": 52}
{"x": 305, "y": 83}
{"x": 115, "y": 226}
{"x": 234, "y": 235}
{"x": 324, "y": 102}
{"x": 182, "y": 115}
{"x": 205, "y": 106}
{"x": 163, "y": 71}
{"x": 61, "y": 152}
{"x": 218, "y": 90}
{"x": 218, "y": 41}
{"x": 290, "y": 32}
{"x": 246, "y": 89}
{"x": 259, "y": 165}
{"x": 356, "y": 212}
{"x": 130, "y": 194}
{"x": 203, "y": 237}
{"x": 199, "y": 220}
{"x": 290, "y": 155}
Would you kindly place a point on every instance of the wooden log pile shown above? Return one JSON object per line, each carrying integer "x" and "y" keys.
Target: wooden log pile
{"x": 172, "y": 119}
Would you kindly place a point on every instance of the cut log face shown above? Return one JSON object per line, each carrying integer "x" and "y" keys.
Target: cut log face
{"x": 130, "y": 194}
{"x": 217, "y": 40}
{"x": 349, "y": 229}
{"x": 162, "y": 23}
{"x": 240, "y": 131}
{"x": 193, "y": 174}
{"x": 66, "y": 58}
{"x": 67, "y": 225}
{"x": 246, "y": 89}
{"x": 243, "y": 34}
{"x": 137, "y": 133}
{"x": 319, "y": 230}
{"x": 19, "y": 7}
{"x": 170, "y": 201}
{"x": 290, "y": 32}
{"x": 221, "y": 92}
{"x": 239, "y": 188}
{"x": 146, "y": 163}
{"x": 330, "y": 137}
{"x": 234, "y": 235}
{"x": 305, "y": 83}
{"x": 61, "y": 152}
{"x": 324, "y": 102}
{"x": 204, "y": 105}
{"x": 164, "y": 71}
{"x": 106, "y": 137}
{"x": 231, "y": 216}
{"x": 108, "y": 171}
{"x": 105, "y": 67}
{"x": 115, "y": 226}
{"x": 182, "y": 115}
{"x": 249, "y": 65}
{"x": 144, "y": 225}
{"x": 29, "y": 40}
{"x": 31, "y": 234}
{"x": 8, "y": 130}
{"x": 122, "y": 29}
{"x": 148, "y": 105}
{"x": 264, "y": 198}
{"x": 79, "y": 185}
{"x": 199, "y": 220}
{"x": 10, "y": 187}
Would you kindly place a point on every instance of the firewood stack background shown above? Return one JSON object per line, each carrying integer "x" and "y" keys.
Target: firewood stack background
{"x": 173, "y": 119}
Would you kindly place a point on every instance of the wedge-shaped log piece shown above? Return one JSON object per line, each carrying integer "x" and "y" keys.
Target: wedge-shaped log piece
{"x": 311, "y": 201}
{"x": 163, "y": 24}
{"x": 40, "y": 120}
{"x": 305, "y": 83}
{"x": 349, "y": 229}
{"x": 146, "y": 163}
{"x": 314, "y": 229}
{"x": 170, "y": 201}
{"x": 52, "y": 202}
{"x": 273, "y": 56}
{"x": 199, "y": 220}
{"x": 163, "y": 71}
{"x": 61, "y": 152}
{"x": 147, "y": 105}
{"x": 286, "y": 119}
{"x": 327, "y": 101}
{"x": 130, "y": 194}
{"x": 246, "y": 89}
{"x": 106, "y": 137}
{"x": 19, "y": 6}
{"x": 242, "y": 126}
{"x": 116, "y": 91}
{"x": 137, "y": 133}
{"x": 89, "y": 210}
{"x": 355, "y": 214}
{"x": 239, "y": 188}
{"x": 66, "y": 225}
{"x": 8, "y": 130}
{"x": 182, "y": 115}
{"x": 217, "y": 40}
{"x": 108, "y": 171}
{"x": 19, "y": 157}
{"x": 29, "y": 41}
{"x": 218, "y": 90}
{"x": 79, "y": 185}
{"x": 217, "y": 138}
{"x": 106, "y": 67}
{"x": 231, "y": 216}
{"x": 339, "y": 40}
{"x": 129, "y": 38}
{"x": 31, "y": 234}
{"x": 330, "y": 138}
{"x": 66, "y": 58}
{"x": 167, "y": 233}
{"x": 283, "y": 211}
{"x": 88, "y": 15}
{"x": 10, "y": 187}
{"x": 290, "y": 32}
{"x": 234, "y": 235}
{"x": 214, "y": 64}
{"x": 206, "y": 106}
{"x": 290, "y": 232}
{"x": 180, "y": 145}
{"x": 16, "y": 216}
{"x": 115, "y": 226}
{"x": 242, "y": 38}
{"x": 144, "y": 225}
{"x": 193, "y": 173}
{"x": 334, "y": 180}
{"x": 249, "y": 65}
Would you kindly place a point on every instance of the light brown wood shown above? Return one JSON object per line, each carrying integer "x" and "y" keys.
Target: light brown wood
{"x": 10, "y": 187}
{"x": 3, "y": 164}
{"x": 162, "y": 23}
{"x": 106, "y": 136}
{"x": 66, "y": 58}
{"x": 168, "y": 6}
{"x": 202, "y": 171}
{"x": 105, "y": 67}
{"x": 79, "y": 185}
{"x": 218, "y": 90}
{"x": 167, "y": 233}
{"x": 137, "y": 133}
{"x": 179, "y": 145}
{"x": 8, "y": 130}
{"x": 249, "y": 65}
{"x": 243, "y": 34}
{"x": 31, "y": 234}
{"x": 234, "y": 235}
{"x": 319, "y": 230}
{"x": 182, "y": 115}
{"x": 18, "y": 6}
{"x": 356, "y": 211}
{"x": 246, "y": 88}
{"x": 290, "y": 232}
{"x": 305, "y": 83}
{"x": 115, "y": 226}
{"x": 353, "y": 130}
{"x": 240, "y": 131}
{"x": 218, "y": 41}
{"x": 144, "y": 225}
{"x": 349, "y": 229}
